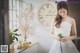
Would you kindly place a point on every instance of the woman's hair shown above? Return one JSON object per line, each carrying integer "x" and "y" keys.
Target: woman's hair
{"x": 58, "y": 19}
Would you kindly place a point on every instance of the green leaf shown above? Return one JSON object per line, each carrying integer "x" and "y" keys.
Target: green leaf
{"x": 60, "y": 35}
{"x": 15, "y": 30}
{"x": 17, "y": 34}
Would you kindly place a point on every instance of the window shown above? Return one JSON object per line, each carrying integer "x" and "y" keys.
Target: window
{"x": 18, "y": 16}
{"x": 15, "y": 8}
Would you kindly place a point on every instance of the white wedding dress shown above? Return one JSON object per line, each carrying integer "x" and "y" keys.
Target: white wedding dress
{"x": 68, "y": 46}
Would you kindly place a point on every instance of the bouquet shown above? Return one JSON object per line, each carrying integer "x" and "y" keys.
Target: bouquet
{"x": 60, "y": 35}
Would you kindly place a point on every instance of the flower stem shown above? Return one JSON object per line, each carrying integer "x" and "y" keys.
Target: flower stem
{"x": 60, "y": 46}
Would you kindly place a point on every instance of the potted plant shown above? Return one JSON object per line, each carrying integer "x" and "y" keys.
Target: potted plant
{"x": 12, "y": 36}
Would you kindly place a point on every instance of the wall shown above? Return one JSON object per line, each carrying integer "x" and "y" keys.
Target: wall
{"x": 4, "y": 39}
{"x": 1, "y": 23}
{"x": 42, "y": 34}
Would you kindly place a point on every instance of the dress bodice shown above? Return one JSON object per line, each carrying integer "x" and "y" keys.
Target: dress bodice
{"x": 65, "y": 29}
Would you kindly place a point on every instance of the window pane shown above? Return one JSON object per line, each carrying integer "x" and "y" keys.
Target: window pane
{"x": 14, "y": 11}
{"x": 17, "y": 13}
{"x": 10, "y": 15}
{"x": 14, "y": 15}
{"x": 10, "y": 4}
{"x": 17, "y": 4}
{"x": 10, "y": 24}
{"x": 10, "y": 19}
{"x": 14, "y": 4}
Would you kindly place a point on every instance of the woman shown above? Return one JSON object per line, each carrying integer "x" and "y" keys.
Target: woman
{"x": 64, "y": 25}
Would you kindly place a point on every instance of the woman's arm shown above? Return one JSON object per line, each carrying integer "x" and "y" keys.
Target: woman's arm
{"x": 52, "y": 30}
{"x": 74, "y": 30}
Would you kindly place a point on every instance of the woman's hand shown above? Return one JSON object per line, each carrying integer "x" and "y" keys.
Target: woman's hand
{"x": 58, "y": 39}
{"x": 65, "y": 38}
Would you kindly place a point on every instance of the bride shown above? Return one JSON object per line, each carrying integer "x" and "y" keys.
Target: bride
{"x": 64, "y": 25}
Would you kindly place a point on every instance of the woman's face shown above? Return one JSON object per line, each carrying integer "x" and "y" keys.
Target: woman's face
{"x": 62, "y": 12}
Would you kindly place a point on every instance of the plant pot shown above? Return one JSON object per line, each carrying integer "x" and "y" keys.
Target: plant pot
{"x": 11, "y": 48}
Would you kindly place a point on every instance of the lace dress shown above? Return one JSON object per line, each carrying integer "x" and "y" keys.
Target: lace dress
{"x": 68, "y": 46}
